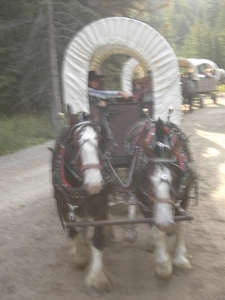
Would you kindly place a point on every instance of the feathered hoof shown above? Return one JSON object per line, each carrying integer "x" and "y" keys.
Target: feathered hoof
{"x": 163, "y": 270}
{"x": 81, "y": 255}
{"x": 99, "y": 280}
{"x": 182, "y": 262}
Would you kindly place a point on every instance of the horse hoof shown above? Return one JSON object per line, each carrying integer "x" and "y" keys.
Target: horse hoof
{"x": 81, "y": 255}
{"x": 164, "y": 270}
{"x": 99, "y": 281}
{"x": 182, "y": 263}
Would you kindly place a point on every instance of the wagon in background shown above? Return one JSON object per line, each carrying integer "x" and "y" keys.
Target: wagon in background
{"x": 199, "y": 79}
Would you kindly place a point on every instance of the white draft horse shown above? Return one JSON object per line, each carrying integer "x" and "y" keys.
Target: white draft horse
{"x": 164, "y": 177}
{"x": 81, "y": 187}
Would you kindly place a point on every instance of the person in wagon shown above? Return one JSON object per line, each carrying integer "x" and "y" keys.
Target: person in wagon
{"x": 101, "y": 97}
{"x": 146, "y": 95}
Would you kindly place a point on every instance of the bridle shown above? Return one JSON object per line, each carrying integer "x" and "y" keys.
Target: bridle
{"x": 77, "y": 129}
{"x": 163, "y": 150}
{"x": 150, "y": 195}
{"x": 164, "y": 178}
{"x": 65, "y": 160}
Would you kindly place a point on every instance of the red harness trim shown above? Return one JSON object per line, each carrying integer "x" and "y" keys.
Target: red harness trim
{"x": 62, "y": 173}
{"x": 166, "y": 130}
{"x": 172, "y": 137}
{"x": 149, "y": 137}
{"x": 180, "y": 161}
{"x": 174, "y": 140}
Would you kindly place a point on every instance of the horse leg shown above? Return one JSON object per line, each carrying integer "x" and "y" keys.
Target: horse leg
{"x": 81, "y": 251}
{"x": 149, "y": 244}
{"x": 162, "y": 262}
{"x": 109, "y": 234}
{"x": 108, "y": 231}
{"x": 179, "y": 255}
{"x": 190, "y": 102}
{"x": 98, "y": 277}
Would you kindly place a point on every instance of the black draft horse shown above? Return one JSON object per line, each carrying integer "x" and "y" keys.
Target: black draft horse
{"x": 163, "y": 179}
{"x": 81, "y": 187}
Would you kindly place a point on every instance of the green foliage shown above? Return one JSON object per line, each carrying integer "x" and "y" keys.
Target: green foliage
{"x": 111, "y": 69}
{"x": 220, "y": 35}
{"x": 21, "y": 52}
{"x": 176, "y": 22}
{"x": 194, "y": 28}
{"x": 20, "y": 132}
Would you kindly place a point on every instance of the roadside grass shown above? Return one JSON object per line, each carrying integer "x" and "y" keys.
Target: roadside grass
{"x": 20, "y": 132}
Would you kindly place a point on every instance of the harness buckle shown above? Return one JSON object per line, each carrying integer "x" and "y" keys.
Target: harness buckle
{"x": 161, "y": 145}
{"x": 71, "y": 215}
{"x": 163, "y": 177}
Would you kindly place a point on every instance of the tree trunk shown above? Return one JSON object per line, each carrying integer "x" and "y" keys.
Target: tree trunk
{"x": 55, "y": 104}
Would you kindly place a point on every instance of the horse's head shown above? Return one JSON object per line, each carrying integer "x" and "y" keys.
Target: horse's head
{"x": 161, "y": 173}
{"x": 84, "y": 155}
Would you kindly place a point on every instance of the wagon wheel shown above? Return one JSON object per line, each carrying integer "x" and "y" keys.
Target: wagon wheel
{"x": 201, "y": 102}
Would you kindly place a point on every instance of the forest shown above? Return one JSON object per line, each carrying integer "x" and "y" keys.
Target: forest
{"x": 34, "y": 35}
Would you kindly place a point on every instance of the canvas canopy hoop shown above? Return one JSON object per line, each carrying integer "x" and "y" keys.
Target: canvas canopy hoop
{"x": 93, "y": 44}
{"x": 127, "y": 72}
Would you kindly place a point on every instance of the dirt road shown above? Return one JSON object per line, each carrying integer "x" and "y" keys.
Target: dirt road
{"x": 34, "y": 250}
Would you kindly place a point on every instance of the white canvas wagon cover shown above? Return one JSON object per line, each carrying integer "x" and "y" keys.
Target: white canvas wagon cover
{"x": 194, "y": 63}
{"x": 100, "y": 39}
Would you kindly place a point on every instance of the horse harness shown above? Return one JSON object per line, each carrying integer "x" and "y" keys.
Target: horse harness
{"x": 65, "y": 160}
{"x": 181, "y": 161}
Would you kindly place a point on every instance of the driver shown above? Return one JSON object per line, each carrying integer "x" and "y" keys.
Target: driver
{"x": 101, "y": 96}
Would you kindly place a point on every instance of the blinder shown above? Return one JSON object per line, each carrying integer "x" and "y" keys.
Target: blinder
{"x": 67, "y": 160}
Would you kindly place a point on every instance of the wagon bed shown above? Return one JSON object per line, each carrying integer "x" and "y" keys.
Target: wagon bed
{"x": 121, "y": 116}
